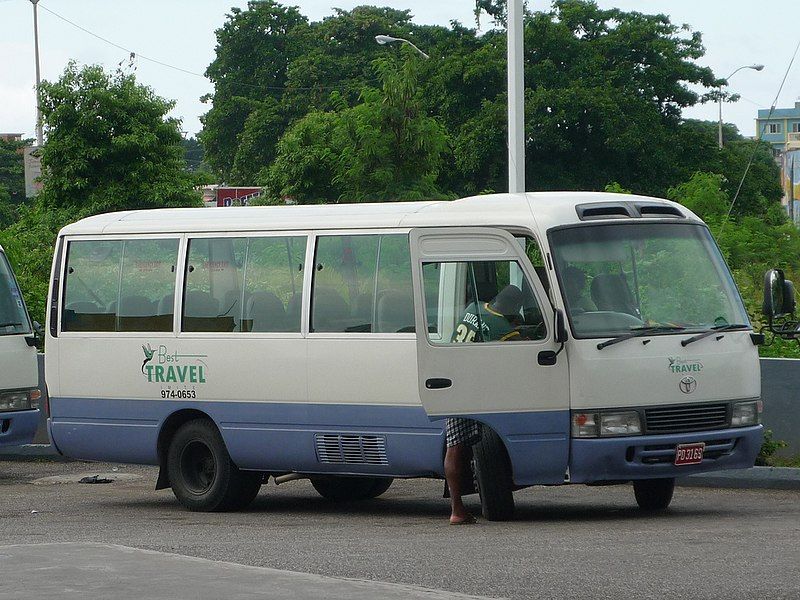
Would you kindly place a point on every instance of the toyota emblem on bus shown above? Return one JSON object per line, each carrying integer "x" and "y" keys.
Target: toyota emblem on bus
{"x": 687, "y": 385}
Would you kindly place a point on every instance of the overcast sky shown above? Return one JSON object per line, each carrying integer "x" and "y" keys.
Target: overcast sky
{"x": 181, "y": 33}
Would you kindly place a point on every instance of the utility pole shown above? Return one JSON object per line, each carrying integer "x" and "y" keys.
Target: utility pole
{"x": 39, "y": 135}
{"x": 516, "y": 98}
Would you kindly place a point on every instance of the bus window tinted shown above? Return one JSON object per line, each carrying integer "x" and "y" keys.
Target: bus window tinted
{"x": 120, "y": 285}
{"x": 244, "y": 284}
{"x": 363, "y": 284}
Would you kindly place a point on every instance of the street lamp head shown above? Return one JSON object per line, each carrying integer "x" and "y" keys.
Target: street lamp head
{"x": 757, "y": 67}
{"x": 385, "y": 39}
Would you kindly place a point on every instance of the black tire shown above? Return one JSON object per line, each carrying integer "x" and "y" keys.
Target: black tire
{"x": 653, "y": 495}
{"x": 202, "y": 475}
{"x": 493, "y": 477}
{"x": 350, "y": 489}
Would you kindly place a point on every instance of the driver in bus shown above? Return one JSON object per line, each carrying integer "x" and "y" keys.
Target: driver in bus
{"x": 575, "y": 290}
{"x": 494, "y": 321}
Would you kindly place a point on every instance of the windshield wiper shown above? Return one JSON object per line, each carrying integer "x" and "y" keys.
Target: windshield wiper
{"x": 713, "y": 330}
{"x": 639, "y": 332}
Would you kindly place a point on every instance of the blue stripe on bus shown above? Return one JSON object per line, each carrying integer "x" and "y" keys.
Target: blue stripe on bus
{"x": 280, "y": 436}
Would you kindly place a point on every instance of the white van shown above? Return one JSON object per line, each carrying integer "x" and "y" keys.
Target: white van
{"x": 230, "y": 345}
{"x": 19, "y": 371}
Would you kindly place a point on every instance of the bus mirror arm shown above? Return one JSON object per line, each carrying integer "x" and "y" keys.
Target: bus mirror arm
{"x": 37, "y": 337}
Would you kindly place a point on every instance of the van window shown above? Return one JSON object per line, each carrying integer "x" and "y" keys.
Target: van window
{"x": 244, "y": 284}
{"x": 120, "y": 285}
{"x": 362, "y": 283}
{"x": 13, "y": 317}
{"x": 487, "y": 301}
{"x": 147, "y": 285}
{"x": 92, "y": 286}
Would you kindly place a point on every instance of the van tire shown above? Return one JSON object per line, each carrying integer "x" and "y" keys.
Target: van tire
{"x": 202, "y": 475}
{"x": 350, "y": 489}
{"x": 653, "y": 495}
{"x": 493, "y": 477}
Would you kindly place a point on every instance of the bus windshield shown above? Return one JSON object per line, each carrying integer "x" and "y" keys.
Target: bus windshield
{"x": 13, "y": 316}
{"x": 620, "y": 278}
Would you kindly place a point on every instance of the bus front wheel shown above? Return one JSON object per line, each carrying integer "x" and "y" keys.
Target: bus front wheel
{"x": 350, "y": 489}
{"x": 202, "y": 475}
{"x": 493, "y": 476}
{"x": 653, "y": 495}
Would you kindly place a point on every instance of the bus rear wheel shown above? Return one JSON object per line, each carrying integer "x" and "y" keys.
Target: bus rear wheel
{"x": 493, "y": 476}
{"x": 350, "y": 489}
{"x": 653, "y": 495}
{"x": 202, "y": 475}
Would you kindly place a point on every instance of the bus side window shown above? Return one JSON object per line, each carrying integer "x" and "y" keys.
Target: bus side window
{"x": 362, "y": 284}
{"x": 148, "y": 276}
{"x": 92, "y": 285}
{"x": 212, "y": 295}
{"x": 116, "y": 285}
{"x": 273, "y": 288}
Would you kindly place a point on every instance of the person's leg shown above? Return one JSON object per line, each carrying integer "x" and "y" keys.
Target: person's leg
{"x": 456, "y": 462}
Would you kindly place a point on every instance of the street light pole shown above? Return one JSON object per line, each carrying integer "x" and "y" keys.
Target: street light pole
{"x": 387, "y": 39}
{"x": 755, "y": 68}
{"x": 516, "y": 99}
{"x": 39, "y": 135}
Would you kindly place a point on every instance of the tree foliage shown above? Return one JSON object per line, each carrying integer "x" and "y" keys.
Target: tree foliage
{"x": 383, "y": 148}
{"x": 110, "y": 145}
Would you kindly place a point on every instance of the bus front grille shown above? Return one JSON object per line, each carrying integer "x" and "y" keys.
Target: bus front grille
{"x": 686, "y": 418}
{"x": 336, "y": 448}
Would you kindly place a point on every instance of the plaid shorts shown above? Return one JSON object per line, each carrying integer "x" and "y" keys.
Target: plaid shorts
{"x": 462, "y": 431}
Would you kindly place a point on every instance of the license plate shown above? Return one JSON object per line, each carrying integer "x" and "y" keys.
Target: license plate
{"x": 689, "y": 454}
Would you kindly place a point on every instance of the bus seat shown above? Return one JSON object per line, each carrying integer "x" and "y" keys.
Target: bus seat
{"x": 200, "y": 304}
{"x": 166, "y": 305}
{"x": 135, "y": 306}
{"x": 610, "y": 292}
{"x": 395, "y": 312}
{"x": 330, "y": 311}
{"x": 266, "y": 312}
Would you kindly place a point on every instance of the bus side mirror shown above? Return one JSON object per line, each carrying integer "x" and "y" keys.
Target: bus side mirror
{"x": 774, "y": 293}
{"x": 561, "y": 328}
{"x": 37, "y": 339}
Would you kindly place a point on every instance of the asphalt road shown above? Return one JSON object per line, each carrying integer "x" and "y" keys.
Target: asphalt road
{"x": 567, "y": 542}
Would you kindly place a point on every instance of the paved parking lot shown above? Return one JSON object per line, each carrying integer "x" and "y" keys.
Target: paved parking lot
{"x": 568, "y": 542}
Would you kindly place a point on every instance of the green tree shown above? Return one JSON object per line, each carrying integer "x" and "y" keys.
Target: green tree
{"x": 254, "y": 50}
{"x": 110, "y": 145}
{"x": 383, "y": 148}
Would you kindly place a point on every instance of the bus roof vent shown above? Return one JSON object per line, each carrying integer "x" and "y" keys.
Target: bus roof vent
{"x": 659, "y": 210}
{"x": 349, "y": 449}
{"x": 605, "y": 210}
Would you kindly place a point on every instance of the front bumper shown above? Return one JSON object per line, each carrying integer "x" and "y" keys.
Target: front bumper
{"x": 18, "y": 427}
{"x": 651, "y": 456}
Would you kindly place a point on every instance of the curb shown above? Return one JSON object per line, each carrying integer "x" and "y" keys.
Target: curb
{"x": 765, "y": 478}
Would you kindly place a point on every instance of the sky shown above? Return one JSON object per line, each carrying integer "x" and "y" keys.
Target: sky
{"x": 181, "y": 33}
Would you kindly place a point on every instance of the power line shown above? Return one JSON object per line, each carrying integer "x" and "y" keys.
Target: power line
{"x": 134, "y": 54}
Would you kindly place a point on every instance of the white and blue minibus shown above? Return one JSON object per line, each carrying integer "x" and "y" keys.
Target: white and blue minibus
{"x": 19, "y": 371}
{"x": 229, "y": 346}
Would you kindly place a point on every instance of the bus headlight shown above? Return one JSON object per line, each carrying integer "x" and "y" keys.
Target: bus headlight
{"x": 606, "y": 424}
{"x": 620, "y": 423}
{"x": 19, "y": 400}
{"x": 746, "y": 413}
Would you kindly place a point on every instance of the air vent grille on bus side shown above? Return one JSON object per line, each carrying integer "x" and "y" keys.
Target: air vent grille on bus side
{"x": 348, "y": 449}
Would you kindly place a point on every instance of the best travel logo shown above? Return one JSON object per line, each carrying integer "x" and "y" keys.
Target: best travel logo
{"x": 163, "y": 366}
{"x": 680, "y": 365}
